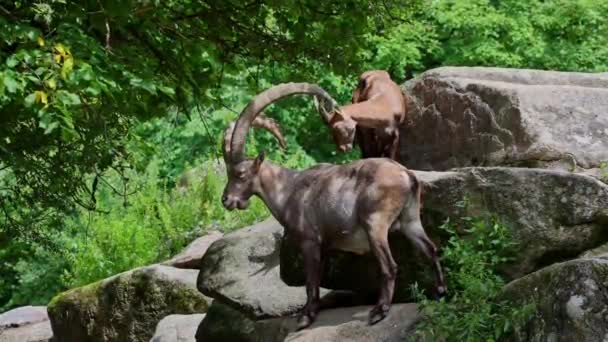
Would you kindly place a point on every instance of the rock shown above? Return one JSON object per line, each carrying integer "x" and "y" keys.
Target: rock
{"x": 127, "y": 306}
{"x": 191, "y": 256}
{"x": 474, "y": 116}
{"x": 552, "y": 215}
{"x": 177, "y": 328}
{"x": 226, "y": 324}
{"x": 23, "y": 316}
{"x": 350, "y": 324}
{"x": 570, "y": 301}
{"x": 35, "y": 332}
{"x": 25, "y": 324}
{"x": 223, "y": 323}
{"x": 242, "y": 270}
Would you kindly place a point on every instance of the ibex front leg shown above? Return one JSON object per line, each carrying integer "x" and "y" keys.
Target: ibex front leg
{"x": 311, "y": 252}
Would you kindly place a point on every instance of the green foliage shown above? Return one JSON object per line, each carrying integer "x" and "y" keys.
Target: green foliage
{"x": 76, "y": 75}
{"x": 155, "y": 224}
{"x": 558, "y": 35}
{"x": 477, "y": 247}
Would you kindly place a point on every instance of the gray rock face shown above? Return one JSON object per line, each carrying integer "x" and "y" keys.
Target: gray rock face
{"x": 473, "y": 116}
{"x": 570, "y": 301}
{"x": 127, "y": 306}
{"x": 191, "y": 256}
{"x": 36, "y": 332}
{"x": 23, "y": 316}
{"x": 242, "y": 271}
{"x": 350, "y": 324}
{"x": 25, "y": 324}
{"x": 226, "y": 324}
{"x": 223, "y": 323}
{"x": 553, "y": 215}
{"x": 177, "y": 328}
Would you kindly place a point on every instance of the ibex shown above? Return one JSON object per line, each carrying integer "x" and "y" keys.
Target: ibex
{"x": 378, "y": 108}
{"x": 350, "y": 207}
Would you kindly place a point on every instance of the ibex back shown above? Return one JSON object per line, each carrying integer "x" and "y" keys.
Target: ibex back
{"x": 348, "y": 207}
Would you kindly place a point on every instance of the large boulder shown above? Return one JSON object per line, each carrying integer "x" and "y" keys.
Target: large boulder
{"x": 552, "y": 215}
{"x": 226, "y": 324}
{"x": 177, "y": 328}
{"x": 223, "y": 323}
{"x": 127, "y": 306}
{"x": 570, "y": 302}
{"x": 191, "y": 256}
{"x": 474, "y": 116}
{"x": 25, "y": 324}
{"x": 242, "y": 270}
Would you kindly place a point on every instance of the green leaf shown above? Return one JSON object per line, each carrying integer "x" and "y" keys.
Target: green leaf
{"x": 10, "y": 83}
{"x": 12, "y": 61}
{"x": 30, "y": 100}
{"x": 67, "y": 67}
{"x": 46, "y": 122}
{"x": 67, "y": 99}
{"x": 167, "y": 91}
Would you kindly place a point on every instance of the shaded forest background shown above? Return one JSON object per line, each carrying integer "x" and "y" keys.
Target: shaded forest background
{"x": 112, "y": 110}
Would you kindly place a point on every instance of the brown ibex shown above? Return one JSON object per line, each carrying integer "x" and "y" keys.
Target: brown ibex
{"x": 347, "y": 207}
{"x": 378, "y": 108}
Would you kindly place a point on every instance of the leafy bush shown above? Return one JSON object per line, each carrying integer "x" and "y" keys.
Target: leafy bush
{"x": 156, "y": 223}
{"x": 471, "y": 311}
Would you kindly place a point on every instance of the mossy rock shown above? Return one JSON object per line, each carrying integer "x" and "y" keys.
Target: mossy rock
{"x": 125, "y": 307}
{"x": 570, "y": 301}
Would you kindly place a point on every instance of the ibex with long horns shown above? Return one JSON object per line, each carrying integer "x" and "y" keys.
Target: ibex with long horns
{"x": 347, "y": 207}
{"x": 372, "y": 119}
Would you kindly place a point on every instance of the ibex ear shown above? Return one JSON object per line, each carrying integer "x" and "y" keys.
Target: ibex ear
{"x": 337, "y": 117}
{"x": 257, "y": 162}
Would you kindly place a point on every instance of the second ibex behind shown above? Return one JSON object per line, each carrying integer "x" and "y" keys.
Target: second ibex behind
{"x": 349, "y": 207}
{"x": 373, "y": 118}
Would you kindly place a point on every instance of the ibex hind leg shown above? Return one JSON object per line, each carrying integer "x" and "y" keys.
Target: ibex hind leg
{"x": 411, "y": 226}
{"x": 377, "y": 226}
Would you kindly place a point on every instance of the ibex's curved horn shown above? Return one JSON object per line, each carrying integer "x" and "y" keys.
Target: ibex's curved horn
{"x": 227, "y": 142}
{"x": 262, "y": 121}
{"x": 261, "y": 101}
{"x": 324, "y": 108}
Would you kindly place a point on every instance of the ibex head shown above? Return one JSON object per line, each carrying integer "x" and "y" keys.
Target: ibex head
{"x": 242, "y": 176}
{"x": 343, "y": 130}
{"x": 243, "y": 173}
{"x": 342, "y": 127}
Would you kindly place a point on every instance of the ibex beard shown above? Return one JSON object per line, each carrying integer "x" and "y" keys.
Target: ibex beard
{"x": 349, "y": 207}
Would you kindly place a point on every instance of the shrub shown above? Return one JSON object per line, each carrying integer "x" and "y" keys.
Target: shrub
{"x": 155, "y": 224}
{"x": 471, "y": 311}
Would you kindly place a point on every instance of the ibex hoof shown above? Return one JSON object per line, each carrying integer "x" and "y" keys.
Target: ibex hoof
{"x": 378, "y": 313}
{"x": 304, "y": 321}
